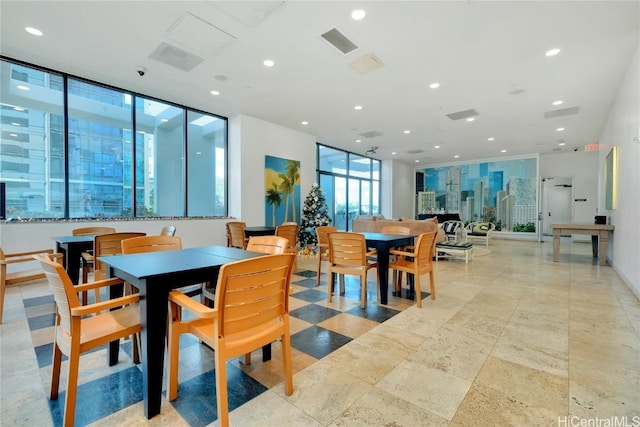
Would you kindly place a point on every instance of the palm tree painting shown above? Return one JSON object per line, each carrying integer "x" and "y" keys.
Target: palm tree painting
{"x": 282, "y": 184}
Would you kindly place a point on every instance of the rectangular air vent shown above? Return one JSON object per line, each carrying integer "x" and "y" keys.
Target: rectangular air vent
{"x": 562, "y": 112}
{"x": 416, "y": 151}
{"x": 462, "y": 114}
{"x": 176, "y": 57}
{"x": 366, "y": 63}
{"x": 339, "y": 41}
{"x": 371, "y": 134}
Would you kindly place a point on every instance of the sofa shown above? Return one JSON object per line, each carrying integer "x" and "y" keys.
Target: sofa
{"x": 375, "y": 224}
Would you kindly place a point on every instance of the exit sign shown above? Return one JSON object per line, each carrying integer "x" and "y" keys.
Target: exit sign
{"x": 592, "y": 147}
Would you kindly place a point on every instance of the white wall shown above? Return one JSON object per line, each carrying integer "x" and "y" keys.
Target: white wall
{"x": 622, "y": 129}
{"x": 258, "y": 139}
{"x": 403, "y": 189}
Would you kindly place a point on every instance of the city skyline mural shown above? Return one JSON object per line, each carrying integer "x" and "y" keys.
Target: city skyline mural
{"x": 501, "y": 192}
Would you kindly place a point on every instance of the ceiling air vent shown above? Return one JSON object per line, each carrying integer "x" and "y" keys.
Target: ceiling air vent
{"x": 339, "y": 41}
{"x": 371, "y": 134}
{"x": 176, "y": 57}
{"x": 416, "y": 151}
{"x": 366, "y": 63}
{"x": 463, "y": 114}
{"x": 562, "y": 112}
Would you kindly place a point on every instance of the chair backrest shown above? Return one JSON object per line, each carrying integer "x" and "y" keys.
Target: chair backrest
{"x": 253, "y": 296}
{"x": 106, "y": 245}
{"x": 322, "y": 233}
{"x": 267, "y": 244}
{"x": 347, "y": 248}
{"x": 83, "y": 231}
{"x": 169, "y": 230}
{"x": 289, "y": 232}
{"x": 64, "y": 293}
{"x": 235, "y": 234}
{"x": 425, "y": 248}
{"x": 395, "y": 229}
{"x": 137, "y": 245}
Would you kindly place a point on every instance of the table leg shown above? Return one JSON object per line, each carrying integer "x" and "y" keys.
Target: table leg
{"x": 153, "y": 316}
{"x": 556, "y": 245}
{"x": 603, "y": 241}
{"x": 383, "y": 272}
{"x": 73, "y": 264}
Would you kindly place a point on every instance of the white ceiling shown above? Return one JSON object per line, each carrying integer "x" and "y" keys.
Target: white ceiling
{"x": 487, "y": 56}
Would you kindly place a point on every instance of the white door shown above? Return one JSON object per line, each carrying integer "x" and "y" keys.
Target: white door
{"x": 556, "y": 202}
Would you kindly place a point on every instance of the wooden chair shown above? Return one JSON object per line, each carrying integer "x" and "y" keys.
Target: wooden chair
{"x": 348, "y": 255}
{"x": 290, "y": 232}
{"x": 169, "y": 230}
{"x": 143, "y": 244}
{"x": 416, "y": 262}
{"x": 251, "y": 310}
{"x": 395, "y": 229}
{"x": 87, "y": 257}
{"x": 263, "y": 244}
{"x": 322, "y": 234}
{"x": 76, "y": 332}
{"x": 17, "y": 276}
{"x": 235, "y": 234}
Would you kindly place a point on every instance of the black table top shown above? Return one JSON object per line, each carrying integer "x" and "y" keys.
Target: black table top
{"x": 149, "y": 264}
{"x": 260, "y": 228}
{"x": 384, "y": 237}
{"x": 74, "y": 239}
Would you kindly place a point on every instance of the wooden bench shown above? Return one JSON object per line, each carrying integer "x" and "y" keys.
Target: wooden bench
{"x": 18, "y": 276}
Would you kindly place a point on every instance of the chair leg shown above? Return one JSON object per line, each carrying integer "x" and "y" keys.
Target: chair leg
{"x": 172, "y": 368}
{"x": 417, "y": 291}
{"x": 247, "y": 359}
{"x": 55, "y": 371}
{"x": 72, "y": 387}
{"x": 319, "y": 269}
{"x": 286, "y": 360}
{"x": 221, "y": 389}
{"x": 363, "y": 290}
{"x": 432, "y": 284}
{"x": 2, "y": 288}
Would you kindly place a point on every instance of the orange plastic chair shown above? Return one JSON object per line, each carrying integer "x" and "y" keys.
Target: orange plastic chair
{"x": 322, "y": 234}
{"x": 290, "y": 232}
{"x": 416, "y": 262}
{"x": 235, "y": 234}
{"x": 251, "y": 310}
{"x": 77, "y": 332}
{"x": 348, "y": 255}
{"x": 87, "y": 257}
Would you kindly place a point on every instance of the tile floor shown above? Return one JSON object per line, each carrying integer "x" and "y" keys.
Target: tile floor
{"x": 512, "y": 339}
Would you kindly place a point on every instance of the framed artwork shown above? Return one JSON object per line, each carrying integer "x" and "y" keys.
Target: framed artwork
{"x": 282, "y": 190}
{"x": 611, "y": 179}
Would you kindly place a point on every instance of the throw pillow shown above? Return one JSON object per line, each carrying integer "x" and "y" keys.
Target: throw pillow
{"x": 480, "y": 228}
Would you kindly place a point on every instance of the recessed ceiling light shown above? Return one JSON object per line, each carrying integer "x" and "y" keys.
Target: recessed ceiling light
{"x": 394, "y": 153}
{"x": 456, "y": 156}
{"x": 164, "y": 120}
{"x": 358, "y": 107}
{"x": 470, "y": 119}
{"x": 552, "y": 52}
{"x": 561, "y": 143}
{"x": 358, "y": 14}
{"x": 436, "y": 146}
{"x": 503, "y": 151}
{"x": 434, "y": 85}
{"x": 407, "y": 131}
{"x": 23, "y": 87}
{"x": 214, "y": 93}
{"x": 268, "y": 63}
{"x": 560, "y": 129}
{"x": 18, "y": 108}
{"x": 305, "y": 123}
{"x": 358, "y": 140}
{"x": 417, "y": 161}
{"x": 558, "y": 102}
{"x": 34, "y": 31}
{"x": 490, "y": 139}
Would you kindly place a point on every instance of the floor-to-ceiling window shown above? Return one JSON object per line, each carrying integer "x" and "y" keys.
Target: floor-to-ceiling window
{"x": 71, "y": 148}
{"x": 351, "y": 183}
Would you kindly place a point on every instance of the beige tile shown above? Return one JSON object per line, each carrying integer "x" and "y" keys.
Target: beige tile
{"x": 485, "y": 328}
{"x": 389, "y": 339}
{"x": 134, "y": 416}
{"x": 348, "y": 325}
{"x": 324, "y": 403}
{"x": 589, "y": 402}
{"x": 531, "y": 386}
{"x": 269, "y": 409}
{"x": 271, "y": 373}
{"x": 486, "y": 406}
{"x": 520, "y": 351}
{"x": 379, "y": 408}
{"x": 428, "y": 388}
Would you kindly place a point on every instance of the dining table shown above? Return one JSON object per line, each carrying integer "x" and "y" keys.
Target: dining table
{"x": 259, "y": 230}
{"x": 72, "y": 247}
{"x": 383, "y": 243}
{"x": 155, "y": 274}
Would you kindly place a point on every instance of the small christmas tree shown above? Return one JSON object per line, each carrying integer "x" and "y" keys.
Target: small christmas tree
{"x": 314, "y": 214}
